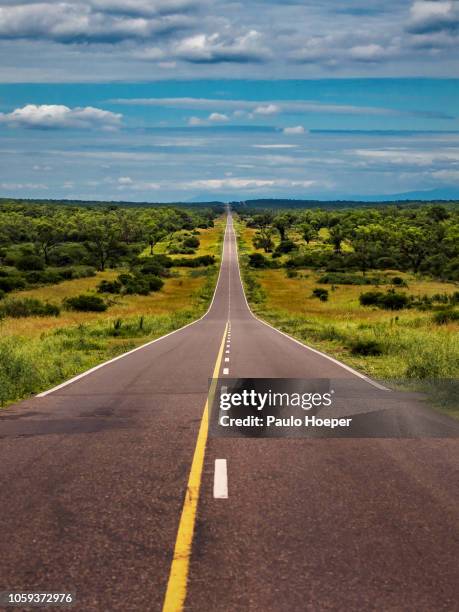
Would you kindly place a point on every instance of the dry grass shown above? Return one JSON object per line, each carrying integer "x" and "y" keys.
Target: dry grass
{"x": 294, "y": 295}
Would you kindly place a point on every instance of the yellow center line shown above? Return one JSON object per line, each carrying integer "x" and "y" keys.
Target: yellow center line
{"x": 174, "y": 599}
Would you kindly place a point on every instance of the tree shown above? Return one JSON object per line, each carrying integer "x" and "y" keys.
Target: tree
{"x": 308, "y": 232}
{"x": 337, "y": 235}
{"x": 103, "y": 238}
{"x": 47, "y": 234}
{"x": 263, "y": 239}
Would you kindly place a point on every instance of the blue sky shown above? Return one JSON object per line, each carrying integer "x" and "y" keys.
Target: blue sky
{"x": 166, "y": 100}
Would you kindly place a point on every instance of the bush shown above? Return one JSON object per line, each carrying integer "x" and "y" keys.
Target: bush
{"x": 28, "y": 307}
{"x": 85, "y": 303}
{"x": 389, "y": 301}
{"x": 394, "y": 301}
{"x": 366, "y": 348}
{"x": 9, "y": 282}
{"x": 154, "y": 282}
{"x": 258, "y": 260}
{"x": 370, "y": 298}
{"x": 320, "y": 293}
{"x": 442, "y": 317}
{"x": 195, "y": 262}
{"x": 286, "y": 246}
{"x": 191, "y": 243}
{"x": 30, "y": 262}
{"x": 398, "y": 281}
{"x": 106, "y": 286}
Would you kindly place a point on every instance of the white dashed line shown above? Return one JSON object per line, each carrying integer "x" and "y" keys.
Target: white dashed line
{"x": 226, "y": 371}
{"x": 220, "y": 479}
{"x": 226, "y": 359}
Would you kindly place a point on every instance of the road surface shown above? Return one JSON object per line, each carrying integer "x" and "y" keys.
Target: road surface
{"x": 98, "y": 489}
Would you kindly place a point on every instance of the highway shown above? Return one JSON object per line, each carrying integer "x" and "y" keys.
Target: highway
{"x": 110, "y": 487}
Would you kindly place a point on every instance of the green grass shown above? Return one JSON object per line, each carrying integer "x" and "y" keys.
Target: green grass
{"x": 30, "y": 364}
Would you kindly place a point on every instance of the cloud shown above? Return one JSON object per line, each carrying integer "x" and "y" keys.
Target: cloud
{"x": 218, "y": 117}
{"x": 409, "y": 157}
{"x": 79, "y": 22}
{"x": 245, "y": 183}
{"x": 195, "y": 121}
{"x": 427, "y": 16}
{"x": 297, "y": 129}
{"x": 145, "y": 8}
{"x": 268, "y": 109}
{"x": 126, "y": 183}
{"x": 367, "y": 53}
{"x": 49, "y": 116}
{"x": 263, "y": 107}
{"x": 218, "y": 47}
{"x": 274, "y": 146}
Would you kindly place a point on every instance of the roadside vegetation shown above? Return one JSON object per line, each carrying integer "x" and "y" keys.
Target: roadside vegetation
{"x": 112, "y": 279}
{"x": 376, "y": 288}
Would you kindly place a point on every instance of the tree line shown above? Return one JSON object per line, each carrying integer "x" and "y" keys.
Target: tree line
{"x": 420, "y": 239}
{"x": 45, "y": 243}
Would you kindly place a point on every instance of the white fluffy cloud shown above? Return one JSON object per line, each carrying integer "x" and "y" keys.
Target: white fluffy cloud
{"x": 48, "y": 116}
{"x": 296, "y": 129}
{"x": 267, "y": 109}
{"x": 218, "y": 118}
{"x": 221, "y": 47}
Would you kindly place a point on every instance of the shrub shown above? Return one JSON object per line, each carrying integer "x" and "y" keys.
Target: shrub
{"x": 106, "y": 286}
{"x": 291, "y": 273}
{"x": 320, "y": 293}
{"x": 394, "y": 301}
{"x": 398, "y": 281}
{"x": 30, "y": 262}
{"x": 28, "y": 307}
{"x": 366, "y": 348}
{"x": 85, "y": 303}
{"x": 286, "y": 246}
{"x": 191, "y": 243}
{"x": 10, "y": 282}
{"x": 154, "y": 282}
{"x": 370, "y": 298}
{"x": 442, "y": 317}
{"x": 258, "y": 260}
{"x": 389, "y": 301}
{"x": 195, "y": 262}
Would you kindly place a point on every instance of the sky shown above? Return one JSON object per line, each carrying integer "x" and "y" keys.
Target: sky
{"x": 163, "y": 100}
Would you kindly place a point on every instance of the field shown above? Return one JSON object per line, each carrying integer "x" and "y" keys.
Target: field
{"x": 39, "y": 352}
{"x": 406, "y": 347}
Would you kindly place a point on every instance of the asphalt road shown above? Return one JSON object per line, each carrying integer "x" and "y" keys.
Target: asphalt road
{"x": 94, "y": 478}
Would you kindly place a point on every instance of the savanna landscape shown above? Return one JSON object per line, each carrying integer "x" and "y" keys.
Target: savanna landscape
{"x": 82, "y": 284}
{"x": 376, "y": 287}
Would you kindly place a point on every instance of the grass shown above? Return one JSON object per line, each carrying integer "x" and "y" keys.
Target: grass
{"x": 37, "y": 353}
{"x": 406, "y": 347}
{"x": 208, "y": 245}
